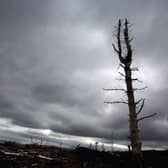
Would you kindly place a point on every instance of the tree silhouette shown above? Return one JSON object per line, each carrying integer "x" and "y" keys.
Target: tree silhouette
{"x": 124, "y": 51}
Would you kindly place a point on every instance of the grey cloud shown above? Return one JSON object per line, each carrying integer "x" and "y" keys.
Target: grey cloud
{"x": 18, "y": 11}
{"x": 56, "y": 94}
{"x": 56, "y": 56}
{"x": 9, "y": 110}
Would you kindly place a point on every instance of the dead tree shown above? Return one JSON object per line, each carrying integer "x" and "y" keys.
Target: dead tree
{"x": 124, "y": 51}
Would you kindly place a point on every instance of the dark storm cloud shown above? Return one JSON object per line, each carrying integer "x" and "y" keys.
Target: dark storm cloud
{"x": 74, "y": 110}
{"x": 22, "y": 11}
{"x": 56, "y": 56}
{"x": 8, "y": 110}
{"x": 57, "y": 93}
{"x": 156, "y": 127}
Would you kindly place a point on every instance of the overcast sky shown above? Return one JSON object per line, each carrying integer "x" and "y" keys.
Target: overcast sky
{"x": 56, "y": 56}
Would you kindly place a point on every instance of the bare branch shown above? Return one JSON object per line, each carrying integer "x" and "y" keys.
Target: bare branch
{"x": 118, "y": 37}
{"x": 119, "y": 79}
{"x": 122, "y": 66}
{"x": 133, "y": 79}
{"x": 119, "y": 42}
{"x": 115, "y": 49}
{"x": 130, "y": 25}
{"x": 127, "y": 42}
{"x": 145, "y": 117}
{"x": 114, "y": 89}
{"x": 118, "y": 67}
{"x": 142, "y": 105}
{"x": 139, "y": 101}
{"x": 121, "y": 74}
{"x": 136, "y": 79}
{"x": 130, "y": 39}
{"x": 135, "y": 89}
{"x": 134, "y": 69}
{"x": 116, "y": 102}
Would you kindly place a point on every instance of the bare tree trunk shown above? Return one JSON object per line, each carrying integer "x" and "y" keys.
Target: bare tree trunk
{"x": 124, "y": 52}
{"x": 133, "y": 124}
{"x": 126, "y": 61}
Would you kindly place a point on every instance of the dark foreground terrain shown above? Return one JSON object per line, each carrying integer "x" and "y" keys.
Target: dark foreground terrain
{"x": 14, "y": 155}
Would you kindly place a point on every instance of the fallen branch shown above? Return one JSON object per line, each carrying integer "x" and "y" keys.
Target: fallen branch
{"x": 11, "y": 153}
{"x": 45, "y": 157}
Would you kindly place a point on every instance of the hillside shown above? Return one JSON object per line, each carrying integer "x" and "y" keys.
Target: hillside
{"x": 14, "y": 155}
